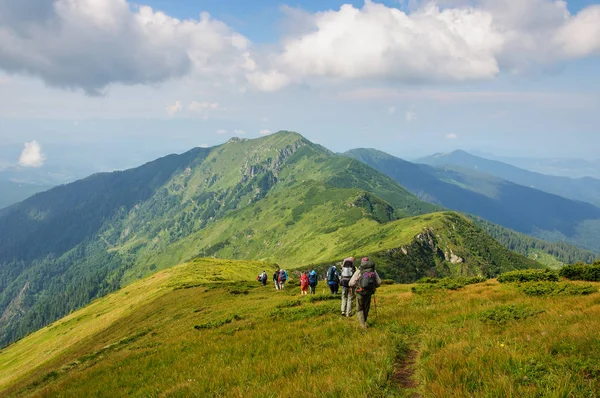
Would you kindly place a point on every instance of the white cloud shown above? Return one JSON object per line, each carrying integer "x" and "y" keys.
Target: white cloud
{"x": 173, "y": 109}
{"x": 264, "y": 132}
{"x": 392, "y": 110}
{"x": 451, "y": 136}
{"x": 239, "y": 132}
{"x": 202, "y": 106}
{"x": 459, "y": 42}
{"x": 410, "y": 116}
{"x": 90, "y": 44}
{"x": 32, "y": 155}
{"x": 269, "y": 81}
{"x": 221, "y": 131}
{"x": 203, "y": 146}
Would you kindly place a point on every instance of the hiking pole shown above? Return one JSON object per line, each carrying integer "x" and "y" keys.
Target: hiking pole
{"x": 375, "y": 301}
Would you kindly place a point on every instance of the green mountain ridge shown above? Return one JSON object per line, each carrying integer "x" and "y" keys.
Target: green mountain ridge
{"x": 280, "y": 198}
{"x": 523, "y": 209}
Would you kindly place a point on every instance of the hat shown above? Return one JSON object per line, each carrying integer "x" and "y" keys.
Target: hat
{"x": 364, "y": 261}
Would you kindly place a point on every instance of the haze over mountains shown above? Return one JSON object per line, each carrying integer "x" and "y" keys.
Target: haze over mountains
{"x": 562, "y": 167}
{"x": 279, "y": 198}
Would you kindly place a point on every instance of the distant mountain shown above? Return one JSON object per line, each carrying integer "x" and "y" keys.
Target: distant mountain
{"x": 563, "y": 167}
{"x": 524, "y": 209}
{"x": 584, "y": 189}
{"x": 279, "y": 198}
{"x": 13, "y": 192}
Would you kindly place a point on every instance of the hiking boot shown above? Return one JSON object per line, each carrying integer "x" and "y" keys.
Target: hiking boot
{"x": 343, "y": 313}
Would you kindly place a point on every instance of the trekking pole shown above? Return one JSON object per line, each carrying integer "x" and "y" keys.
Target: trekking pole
{"x": 375, "y": 301}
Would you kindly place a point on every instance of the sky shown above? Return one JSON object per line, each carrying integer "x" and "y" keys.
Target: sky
{"x": 114, "y": 83}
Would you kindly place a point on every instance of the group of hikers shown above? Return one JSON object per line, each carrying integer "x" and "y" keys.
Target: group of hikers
{"x": 358, "y": 282}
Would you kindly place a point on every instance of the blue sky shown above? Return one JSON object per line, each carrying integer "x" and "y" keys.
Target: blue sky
{"x": 511, "y": 77}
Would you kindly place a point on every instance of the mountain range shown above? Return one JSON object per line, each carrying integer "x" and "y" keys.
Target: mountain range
{"x": 523, "y": 209}
{"x": 585, "y": 189}
{"x": 280, "y": 198}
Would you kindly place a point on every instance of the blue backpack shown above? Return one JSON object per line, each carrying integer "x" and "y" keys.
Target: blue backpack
{"x": 312, "y": 278}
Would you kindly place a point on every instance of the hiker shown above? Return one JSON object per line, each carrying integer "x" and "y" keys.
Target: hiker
{"x": 263, "y": 278}
{"x": 276, "y": 279}
{"x": 333, "y": 279}
{"x": 313, "y": 279}
{"x": 366, "y": 281}
{"x": 283, "y": 276}
{"x": 304, "y": 283}
{"x": 348, "y": 270}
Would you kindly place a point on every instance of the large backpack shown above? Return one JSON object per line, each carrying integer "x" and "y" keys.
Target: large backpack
{"x": 332, "y": 274}
{"x": 347, "y": 272}
{"x": 367, "y": 282}
{"x": 312, "y": 279}
{"x": 282, "y": 276}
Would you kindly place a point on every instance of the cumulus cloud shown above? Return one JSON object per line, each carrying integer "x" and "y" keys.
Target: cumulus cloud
{"x": 410, "y": 116}
{"x": 451, "y": 136}
{"x": 455, "y": 43}
{"x": 264, "y": 132}
{"x": 221, "y": 131}
{"x": 32, "y": 155}
{"x": 239, "y": 132}
{"x": 90, "y": 44}
{"x": 173, "y": 109}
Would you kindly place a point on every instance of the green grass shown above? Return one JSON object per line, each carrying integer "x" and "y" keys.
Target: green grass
{"x": 182, "y": 332}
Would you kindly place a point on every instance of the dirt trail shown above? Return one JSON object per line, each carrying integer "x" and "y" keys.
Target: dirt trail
{"x": 404, "y": 372}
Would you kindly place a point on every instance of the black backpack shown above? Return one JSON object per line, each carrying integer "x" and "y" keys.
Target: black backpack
{"x": 367, "y": 282}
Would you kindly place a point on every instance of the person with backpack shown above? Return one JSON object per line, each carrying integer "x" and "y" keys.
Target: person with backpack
{"x": 348, "y": 270}
{"x": 333, "y": 279}
{"x": 263, "y": 278}
{"x": 304, "y": 283}
{"x": 313, "y": 279}
{"x": 276, "y": 279}
{"x": 366, "y": 281}
{"x": 283, "y": 277}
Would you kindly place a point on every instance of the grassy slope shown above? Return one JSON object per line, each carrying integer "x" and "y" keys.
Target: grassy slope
{"x": 142, "y": 341}
{"x": 313, "y": 224}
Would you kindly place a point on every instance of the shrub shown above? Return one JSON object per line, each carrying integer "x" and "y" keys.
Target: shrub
{"x": 387, "y": 281}
{"x": 506, "y": 313}
{"x": 556, "y": 289}
{"x": 582, "y": 272}
{"x": 428, "y": 279}
{"x": 529, "y": 275}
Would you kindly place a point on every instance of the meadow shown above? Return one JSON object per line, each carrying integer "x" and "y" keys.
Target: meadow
{"x": 188, "y": 332}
